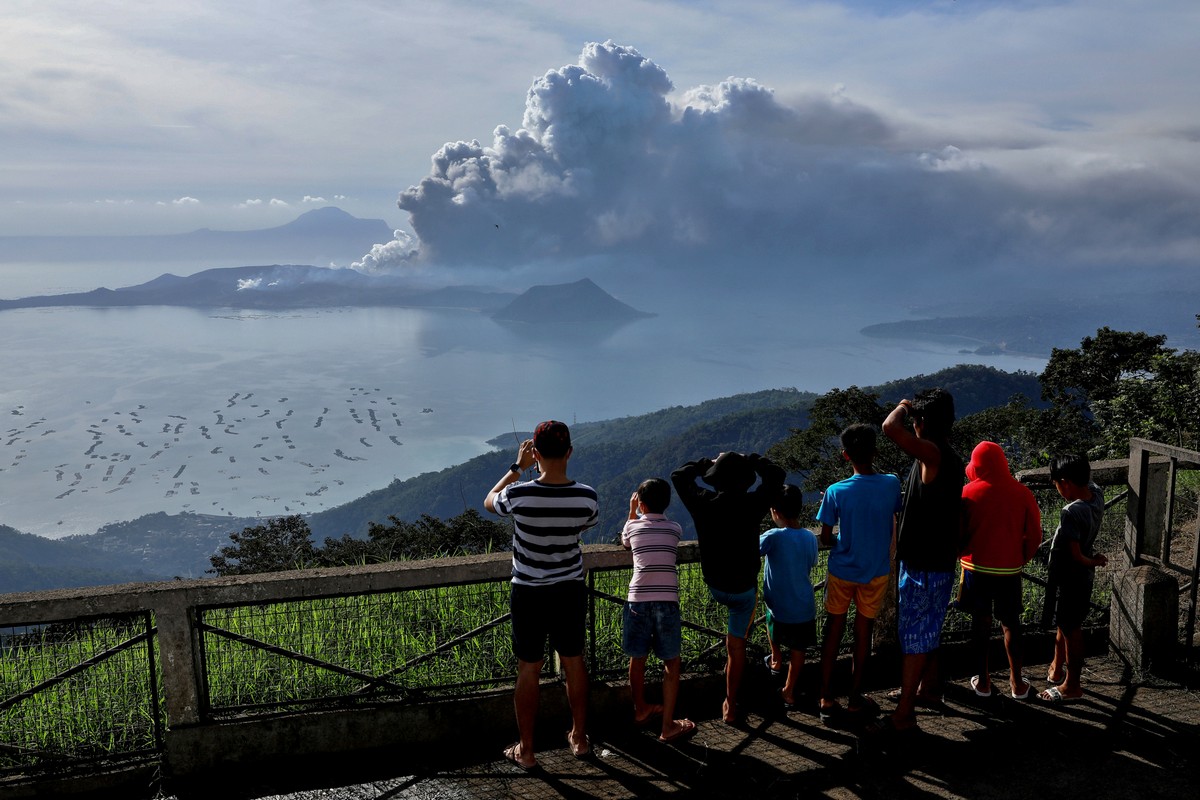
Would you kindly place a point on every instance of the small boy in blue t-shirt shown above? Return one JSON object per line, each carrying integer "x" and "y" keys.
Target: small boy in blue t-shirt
{"x": 864, "y": 508}
{"x": 790, "y": 552}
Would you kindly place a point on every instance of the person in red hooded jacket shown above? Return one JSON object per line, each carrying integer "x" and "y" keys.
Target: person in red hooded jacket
{"x": 1002, "y": 528}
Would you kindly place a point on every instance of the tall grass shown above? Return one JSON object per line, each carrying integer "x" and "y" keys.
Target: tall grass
{"x": 81, "y": 713}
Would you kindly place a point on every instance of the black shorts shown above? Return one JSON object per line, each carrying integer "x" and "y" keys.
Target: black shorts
{"x": 996, "y": 596}
{"x": 557, "y": 611}
{"x": 792, "y": 635}
{"x": 1067, "y": 604}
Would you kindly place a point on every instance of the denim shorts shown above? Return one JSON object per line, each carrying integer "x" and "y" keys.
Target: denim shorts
{"x": 741, "y": 609}
{"x": 653, "y": 626}
{"x": 924, "y": 599}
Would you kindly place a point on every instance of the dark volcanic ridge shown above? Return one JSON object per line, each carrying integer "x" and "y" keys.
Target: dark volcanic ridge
{"x": 291, "y": 286}
{"x": 579, "y": 302}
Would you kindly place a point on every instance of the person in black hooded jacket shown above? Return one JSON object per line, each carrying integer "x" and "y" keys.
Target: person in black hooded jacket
{"x": 728, "y": 518}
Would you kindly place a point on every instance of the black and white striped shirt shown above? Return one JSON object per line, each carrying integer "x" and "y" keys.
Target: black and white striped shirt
{"x": 547, "y": 521}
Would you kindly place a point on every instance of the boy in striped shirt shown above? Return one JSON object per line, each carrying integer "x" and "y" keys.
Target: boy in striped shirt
{"x": 549, "y": 599}
{"x": 651, "y": 617}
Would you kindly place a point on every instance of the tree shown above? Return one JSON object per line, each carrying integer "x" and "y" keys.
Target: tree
{"x": 283, "y": 543}
{"x": 429, "y": 537}
{"x": 1178, "y": 395}
{"x": 1015, "y": 426}
{"x": 1093, "y": 371}
{"x": 1117, "y": 385}
{"x": 816, "y": 451}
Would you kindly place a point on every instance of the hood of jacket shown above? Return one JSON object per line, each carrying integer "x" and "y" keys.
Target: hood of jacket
{"x": 988, "y": 464}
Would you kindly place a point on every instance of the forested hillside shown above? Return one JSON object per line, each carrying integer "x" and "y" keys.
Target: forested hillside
{"x": 615, "y": 455}
{"x": 31, "y": 563}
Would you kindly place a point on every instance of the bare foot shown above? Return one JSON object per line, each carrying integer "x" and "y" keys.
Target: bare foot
{"x": 903, "y": 723}
{"x": 1056, "y": 675}
{"x": 641, "y": 717}
{"x": 729, "y": 713}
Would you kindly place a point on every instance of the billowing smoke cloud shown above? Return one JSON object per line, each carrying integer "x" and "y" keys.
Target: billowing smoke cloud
{"x": 402, "y": 249}
{"x": 606, "y": 163}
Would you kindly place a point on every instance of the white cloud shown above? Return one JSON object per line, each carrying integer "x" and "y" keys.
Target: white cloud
{"x": 612, "y": 160}
{"x": 275, "y": 201}
{"x": 185, "y": 201}
{"x": 240, "y": 101}
{"x": 311, "y": 199}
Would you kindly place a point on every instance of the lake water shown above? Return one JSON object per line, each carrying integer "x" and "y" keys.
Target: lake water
{"x": 109, "y": 414}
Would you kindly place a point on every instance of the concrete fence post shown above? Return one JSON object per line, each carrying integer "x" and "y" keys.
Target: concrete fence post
{"x": 1144, "y": 617}
{"x": 180, "y": 660}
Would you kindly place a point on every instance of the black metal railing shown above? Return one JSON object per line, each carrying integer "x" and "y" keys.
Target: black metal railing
{"x": 79, "y": 691}
{"x": 412, "y": 645}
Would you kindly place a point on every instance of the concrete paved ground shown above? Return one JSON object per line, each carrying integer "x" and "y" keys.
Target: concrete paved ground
{"x": 1125, "y": 740}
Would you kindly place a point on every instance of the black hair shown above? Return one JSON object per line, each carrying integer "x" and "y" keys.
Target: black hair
{"x": 655, "y": 494}
{"x": 789, "y": 502}
{"x": 1071, "y": 467}
{"x": 858, "y": 440}
{"x": 552, "y": 439}
{"x": 935, "y": 409}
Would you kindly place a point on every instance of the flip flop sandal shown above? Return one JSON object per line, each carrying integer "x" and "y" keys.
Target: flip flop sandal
{"x": 577, "y": 752}
{"x": 1055, "y": 696}
{"x": 688, "y": 728}
{"x": 510, "y": 754}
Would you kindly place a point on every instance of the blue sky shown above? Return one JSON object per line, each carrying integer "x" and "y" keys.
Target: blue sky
{"x": 1071, "y": 128}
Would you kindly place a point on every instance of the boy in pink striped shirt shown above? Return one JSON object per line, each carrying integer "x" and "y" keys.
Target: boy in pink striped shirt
{"x": 651, "y": 619}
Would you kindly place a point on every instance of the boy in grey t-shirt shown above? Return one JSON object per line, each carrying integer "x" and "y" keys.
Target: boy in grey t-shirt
{"x": 1073, "y": 563}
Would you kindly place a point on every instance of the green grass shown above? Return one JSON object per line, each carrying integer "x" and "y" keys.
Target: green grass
{"x": 91, "y": 713}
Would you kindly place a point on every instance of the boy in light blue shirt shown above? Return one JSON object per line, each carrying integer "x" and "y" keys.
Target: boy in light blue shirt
{"x": 864, "y": 508}
{"x": 790, "y": 553}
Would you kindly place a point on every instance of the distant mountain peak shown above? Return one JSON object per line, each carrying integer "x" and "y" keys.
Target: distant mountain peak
{"x": 321, "y": 236}
{"x": 581, "y": 301}
{"x": 327, "y": 218}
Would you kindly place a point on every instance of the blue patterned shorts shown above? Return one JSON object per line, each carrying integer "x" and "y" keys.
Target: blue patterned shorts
{"x": 924, "y": 599}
